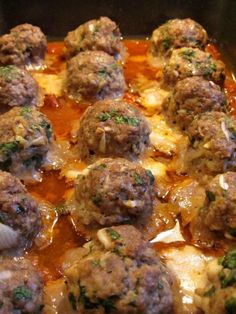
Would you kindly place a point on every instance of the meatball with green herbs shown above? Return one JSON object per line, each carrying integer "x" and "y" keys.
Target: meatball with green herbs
{"x": 20, "y": 219}
{"x": 113, "y": 191}
{"x": 220, "y": 210}
{"x": 212, "y": 143}
{"x": 17, "y": 87}
{"x": 177, "y": 33}
{"x": 192, "y": 97}
{"x": 119, "y": 272}
{"x": 102, "y": 34}
{"x": 21, "y": 287}
{"x": 25, "y": 138}
{"x": 219, "y": 294}
{"x": 25, "y": 45}
{"x": 112, "y": 129}
{"x": 94, "y": 75}
{"x": 188, "y": 62}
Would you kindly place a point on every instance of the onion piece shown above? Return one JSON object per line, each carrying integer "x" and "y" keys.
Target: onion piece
{"x": 8, "y": 237}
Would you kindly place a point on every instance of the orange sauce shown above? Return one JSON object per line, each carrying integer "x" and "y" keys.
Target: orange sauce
{"x": 63, "y": 114}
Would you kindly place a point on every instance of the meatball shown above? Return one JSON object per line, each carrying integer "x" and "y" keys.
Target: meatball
{"x": 114, "y": 191}
{"x": 177, "y": 33}
{"x": 20, "y": 219}
{"x": 17, "y": 87}
{"x": 213, "y": 143}
{"x": 119, "y": 272}
{"x": 220, "y": 210}
{"x": 25, "y": 137}
{"x": 21, "y": 287}
{"x": 25, "y": 45}
{"x": 94, "y": 75}
{"x": 219, "y": 294}
{"x": 191, "y": 97}
{"x": 112, "y": 129}
{"x": 187, "y": 62}
{"x": 102, "y": 34}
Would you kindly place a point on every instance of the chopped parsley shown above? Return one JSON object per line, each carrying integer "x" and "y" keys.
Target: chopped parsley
{"x": 150, "y": 175}
{"x": 72, "y": 301}
{"x": 166, "y": 43}
{"x": 112, "y": 234}
{"x": 208, "y": 70}
{"x": 47, "y": 127}
{"x": 95, "y": 262}
{"x": 97, "y": 199}
{"x": 118, "y": 118}
{"x": 102, "y": 73}
{"x": 9, "y": 148}
{"x": 100, "y": 167}
{"x": 230, "y": 306}
{"x": 22, "y": 293}
{"x": 211, "y": 196}
{"x": 7, "y": 72}
{"x": 210, "y": 292}
{"x": 229, "y": 260}
{"x": 188, "y": 54}
{"x": 25, "y": 112}
{"x": 138, "y": 179}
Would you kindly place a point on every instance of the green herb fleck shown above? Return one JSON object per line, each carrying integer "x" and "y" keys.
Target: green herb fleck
{"x": 102, "y": 73}
{"x": 104, "y": 116}
{"x": 22, "y": 293}
{"x": 166, "y": 42}
{"x": 97, "y": 200}
{"x": 118, "y": 118}
{"x": 25, "y": 112}
{"x": 229, "y": 260}
{"x": 95, "y": 262}
{"x": 100, "y": 167}
{"x": 112, "y": 233}
{"x": 72, "y": 301}
{"x": 151, "y": 176}
{"x": 188, "y": 54}
{"x": 230, "y": 306}
{"x": 47, "y": 127}
{"x": 208, "y": 70}
{"x": 138, "y": 179}
{"x": 211, "y": 196}
{"x": 7, "y": 72}
{"x": 7, "y": 149}
{"x": 209, "y": 293}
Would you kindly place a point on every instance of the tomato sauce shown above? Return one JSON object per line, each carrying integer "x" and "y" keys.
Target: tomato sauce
{"x": 64, "y": 113}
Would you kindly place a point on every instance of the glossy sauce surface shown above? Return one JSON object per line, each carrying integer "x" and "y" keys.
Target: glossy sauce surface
{"x": 63, "y": 114}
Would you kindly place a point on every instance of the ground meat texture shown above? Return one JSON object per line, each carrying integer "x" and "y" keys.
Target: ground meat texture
{"x": 17, "y": 87}
{"x": 25, "y": 137}
{"x": 112, "y": 129}
{"x": 191, "y": 97}
{"x": 94, "y": 75}
{"x": 220, "y": 209}
{"x": 114, "y": 275}
{"x": 21, "y": 287}
{"x": 24, "y": 45}
{"x": 102, "y": 34}
{"x": 114, "y": 191}
{"x": 188, "y": 62}
{"x": 177, "y": 33}
{"x": 213, "y": 143}
{"x": 19, "y": 211}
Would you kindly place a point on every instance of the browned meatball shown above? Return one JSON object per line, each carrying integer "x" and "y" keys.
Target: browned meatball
{"x": 21, "y": 287}
{"x": 25, "y": 137}
{"x": 112, "y": 129}
{"x": 24, "y": 45}
{"x": 102, "y": 34}
{"x": 114, "y": 191}
{"x": 213, "y": 143}
{"x": 19, "y": 211}
{"x": 119, "y": 272}
{"x": 187, "y": 62}
{"x": 191, "y": 97}
{"x": 177, "y": 33}
{"x": 220, "y": 211}
{"x": 17, "y": 87}
{"x": 94, "y": 75}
